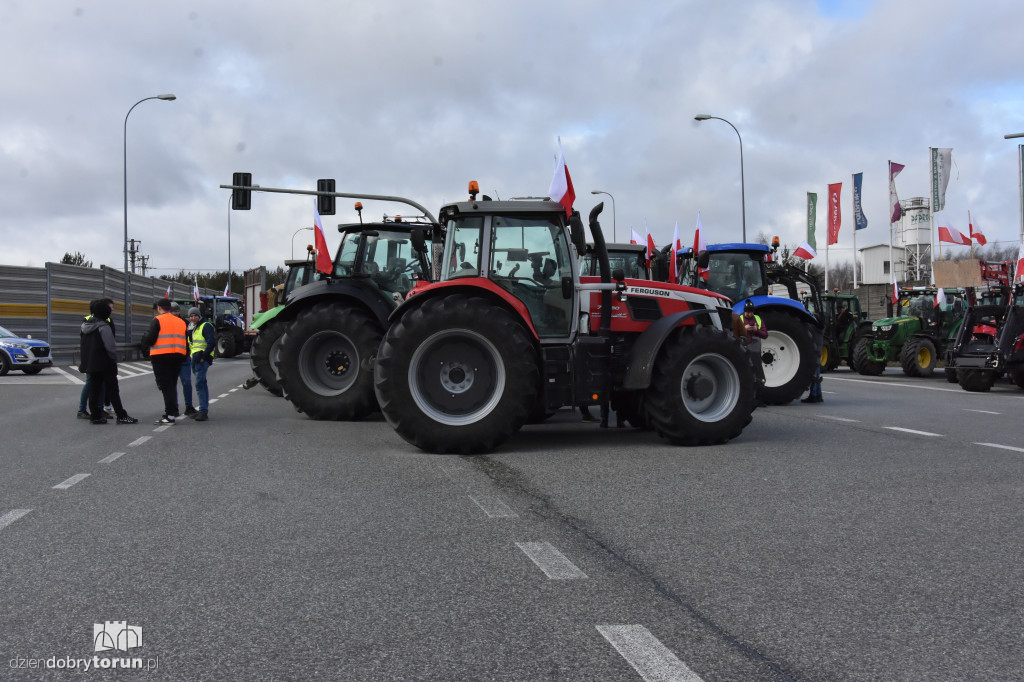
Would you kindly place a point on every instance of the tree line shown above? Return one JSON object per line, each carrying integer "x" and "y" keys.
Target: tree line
{"x": 209, "y": 280}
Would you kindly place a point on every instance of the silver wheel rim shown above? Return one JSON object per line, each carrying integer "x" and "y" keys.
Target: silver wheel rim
{"x": 780, "y": 356}
{"x": 710, "y": 387}
{"x": 440, "y": 375}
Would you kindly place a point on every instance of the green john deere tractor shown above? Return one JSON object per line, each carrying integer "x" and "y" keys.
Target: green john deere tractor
{"x": 845, "y": 324}
{"x": 916, "y": 335}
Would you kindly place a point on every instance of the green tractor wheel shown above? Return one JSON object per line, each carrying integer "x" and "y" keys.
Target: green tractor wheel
{"x": 918, "y": 357}
{"x": 862, "y": 360}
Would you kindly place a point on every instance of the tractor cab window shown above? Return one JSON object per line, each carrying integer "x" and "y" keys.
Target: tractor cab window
{"x": 345, "y": 264}
{"x": 462, "y": 249}
{"x": 529, "y": 257}
{"x": 222, "y": 308}
{"x": 736, "y": 275}
{"x": 390, "y": 261}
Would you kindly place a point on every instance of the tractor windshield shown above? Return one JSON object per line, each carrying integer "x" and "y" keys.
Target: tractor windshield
{"x": 390, "y": 261}
{"x": 736, "y": 275}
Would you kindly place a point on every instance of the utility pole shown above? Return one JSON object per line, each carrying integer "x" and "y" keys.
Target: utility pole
{"x": 143, "y": 264}
{"x": 132, "y": 251}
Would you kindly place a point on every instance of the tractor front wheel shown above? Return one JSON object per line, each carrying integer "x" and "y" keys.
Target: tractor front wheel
{"x": 263, "y": 355}
{"x": 788, "y": 356}
{"x": 862, "y": 360}
{"x": 325, "y": 362}
{"x": 918, "y": 357}
{"x": 976, "y": 380}
{"x": 457, "y": 374}
{"x": 702, "y": 388}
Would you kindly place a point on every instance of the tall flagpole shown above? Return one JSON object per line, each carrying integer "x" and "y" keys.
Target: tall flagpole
{"x": 892, "y": 263}
{"x": 853, "y": 185}
{"x": 931, "y": 219}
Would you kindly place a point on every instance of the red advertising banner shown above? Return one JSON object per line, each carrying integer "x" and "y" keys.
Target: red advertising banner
{"x": 835, "y": 218}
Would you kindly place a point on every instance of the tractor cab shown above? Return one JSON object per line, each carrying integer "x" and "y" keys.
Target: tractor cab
{"x": 383, "y": 254}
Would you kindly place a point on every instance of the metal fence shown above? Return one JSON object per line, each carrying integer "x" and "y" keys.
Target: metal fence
{"x": 50, "y": 302}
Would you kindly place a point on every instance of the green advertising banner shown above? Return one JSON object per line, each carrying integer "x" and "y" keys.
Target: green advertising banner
{"x": 812, "y": 217}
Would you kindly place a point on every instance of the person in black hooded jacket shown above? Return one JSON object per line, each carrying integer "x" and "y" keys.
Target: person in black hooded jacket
{"x": 99, "y": 361}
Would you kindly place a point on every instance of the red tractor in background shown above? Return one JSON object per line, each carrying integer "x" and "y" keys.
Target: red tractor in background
{"x": 511, "y": 329}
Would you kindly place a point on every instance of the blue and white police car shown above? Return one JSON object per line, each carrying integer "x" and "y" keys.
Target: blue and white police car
{"x": 28, "y": 355}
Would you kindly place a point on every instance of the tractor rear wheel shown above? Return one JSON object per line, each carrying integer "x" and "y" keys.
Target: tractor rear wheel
{"x": 264, "y": 353}
{"x": 702, "y": 388}
{"x": 950, "y": 373}
{"x": 1017, "y": 376}
{"x": 862, "y": 361}
{"x": 976, "y": 380}
{"x": 325, "y": 362}
{"x": 918, "y": 357}
{"x": 788, "y": 357}
{"x": 457, "y": 374}
{"x": 226, "y": 346}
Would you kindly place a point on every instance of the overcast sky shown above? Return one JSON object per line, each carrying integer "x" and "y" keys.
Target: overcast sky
{"x": 418, "y": 98}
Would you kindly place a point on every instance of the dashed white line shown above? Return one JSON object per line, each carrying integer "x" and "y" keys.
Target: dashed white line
{"x": 494, "y": 508}
{"x": 648, "y": 656}
{"x": 1001, "y": 447}
{"x": 71, "y": 377}
{"x": 77, "y": 478}
{"x": 161, "y": 429}
{"x": 840, "y": 419}
{"x": 913, "y": 431}
{"x": 139, "y": 441}
{"x": 110, "y": 458}
{"x": 982, "y": 411}
{"x": 213, "y": 400}
{"x": 232, "y": 390}
{"x": 548, "y": 559}
{"x": 12, "y": 516}
{"x": 223, "y": 395}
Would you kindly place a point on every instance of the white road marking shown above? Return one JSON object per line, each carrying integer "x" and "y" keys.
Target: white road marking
{"x": 839, "y": 419}
{"x": 918, "y": 433}
{"x": 140, "y": 440}
{"x": 213, "y": 400}
{"x": 548, "y": 559}
{"x": 110, "y": 458}
{"x": 1002, "y": 447}
{"x": 924, "y": 388}
{"x": 648, "y": 656}
{"x": 223, "y": 395}
{"x": 64, "y": 485}
{"x": 494, "y": 508}
{"x": 70, "y": 377}
{"x": 161, "y": 429}
{"x": 12, "y": 516}
{"x": 981, "y": 411}
{"x": 233, "y": 390}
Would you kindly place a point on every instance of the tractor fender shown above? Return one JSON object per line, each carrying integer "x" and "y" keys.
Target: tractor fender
{"x": 641, "y": 357}
{"x": 261, "y": 319}
{"x": 478, "y": 286}
{"x": 359, "y": 290}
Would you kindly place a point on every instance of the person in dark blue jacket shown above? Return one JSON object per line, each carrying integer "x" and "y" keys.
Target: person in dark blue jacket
{"x": 99, "y": 362}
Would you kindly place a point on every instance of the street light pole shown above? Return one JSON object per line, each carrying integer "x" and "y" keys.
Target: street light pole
{"x": 293, "y": 239}
{"x": 597, "y": 191}
{"x": 1020, "y": 174}
{"x": 229, "y": 245}
{"x": 743, "y": 193}
{"x": 127, "y": 275}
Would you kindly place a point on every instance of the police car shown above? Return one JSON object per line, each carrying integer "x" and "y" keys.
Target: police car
{"x": 28, "y": 355}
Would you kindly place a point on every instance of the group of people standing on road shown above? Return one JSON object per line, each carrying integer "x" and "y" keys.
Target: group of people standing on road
{"x": 178, "y": 351}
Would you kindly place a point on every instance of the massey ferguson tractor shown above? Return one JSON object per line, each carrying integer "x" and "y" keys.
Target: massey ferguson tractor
{"x": 512, "y": 329}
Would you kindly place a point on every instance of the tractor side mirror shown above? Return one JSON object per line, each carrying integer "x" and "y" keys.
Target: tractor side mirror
{"x": 703, "y": 260}
{"x": 577, "y": 233}
{"x": 618, "y": 275}
{"x": 419, "y": 243}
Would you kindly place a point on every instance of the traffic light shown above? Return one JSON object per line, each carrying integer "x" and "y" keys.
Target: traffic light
{"x": 325, "y": 204}
{"x": 241, "y": 199}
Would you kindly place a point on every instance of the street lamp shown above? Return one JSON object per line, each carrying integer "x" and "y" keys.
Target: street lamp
{"x": 127, "y": 276}
{"x": 1020, "y": 169}
{"x": 597, "y": 191}
{"x": 293, "y": 239}
{"x": 743, "y": 198}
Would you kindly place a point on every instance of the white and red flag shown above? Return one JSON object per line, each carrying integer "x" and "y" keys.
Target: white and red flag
{"x": 895, "y": 291}
{"x": 975, "y": 232}
{"x": 168, "y": 294}
{"x": 894, "y": 201}
{"x": 674, "y": 253}
{"x": 952, "y": 236}
{"x": 649, "y": 254}
{"x": 1019, "y": 272}
{"x": 227, "y": 288}
{"x": 940, "y": 297}
{"x": 805, "y": 251}
{"x": 323, "y": 256}
{"x": 195, "y": 290}
{"x": 634, "y": 238}
{"x": 700, "y": 245}
{"x": 561, "y": 184}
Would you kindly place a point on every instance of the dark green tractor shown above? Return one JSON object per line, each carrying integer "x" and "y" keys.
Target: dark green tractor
{"x": 915, "y": 335}
{"x": 845, "y": 324}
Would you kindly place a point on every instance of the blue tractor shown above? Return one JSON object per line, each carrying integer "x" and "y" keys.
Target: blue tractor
{"x": 791, "y": 352}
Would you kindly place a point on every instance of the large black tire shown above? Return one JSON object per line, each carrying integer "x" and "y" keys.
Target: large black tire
{"x": 830, "y": 358}
{"x": 226, "y": 346}
{"x": 457, "y": 374}
{"x": 862, "y": 362}
{"x": 976, "y": 380}
{"x": 702, "y": 388}
{"x": 325, "y": 362}
{"x": 918, "y": 357}
{"x": 788, "y": 356}
{"x": 32, "y": 370}
{"x": 950, "y": 372}
{"x": 5, "y": 364}
{"x": 264, "y": 354}
{"x": 1017, "y": 376}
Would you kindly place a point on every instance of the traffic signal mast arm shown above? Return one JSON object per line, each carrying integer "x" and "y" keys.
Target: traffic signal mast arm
{"x": 347, "y": 195}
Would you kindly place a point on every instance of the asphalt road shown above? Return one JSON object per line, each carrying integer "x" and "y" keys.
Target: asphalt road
{"x": 873, "y": 537}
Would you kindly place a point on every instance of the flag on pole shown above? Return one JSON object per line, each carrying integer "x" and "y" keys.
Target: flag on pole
{"x": 812, "y": 218}
{"x": 561, "y": 189}
{"x": 942, "y": 159}
{"x": 650, "y": 246}
{"x": 952, "y": 236}
{"x": 805, "y": 251}
{"x": 894, "y": 201}
{"x": 168, "y": 294}
{"x": 895, "y": 290}
{"x": 634, "y": 238}
{"x": 940, "y": 297}
{"x": 835, "y": 218}
{"x": 975, "y": 232}
{"x": 195, "y": 290}
{"x": 673, "y": 253}
{"x": 227, "y": 288}
{"x": 860, "y": 221}
{"x": 1019, "y": 272}
{"x": 700, "y": 245}
{"x": 323, "y": 257}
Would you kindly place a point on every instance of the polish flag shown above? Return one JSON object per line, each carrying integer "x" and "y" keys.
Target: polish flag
{"x": 951, "y": 236}
{"x": 323, "y": 257}
{"x": 674, "y": 251}
{"x": 805, "y": 251}
{"x": 895, "y": 291}
{"x": 700, "y": 245}
{"x": 895, "y": 210}
{"x": 975, "y": 233}
{"x": 1020, "y": 263}
{"x": 650, "y": 248}
{"x": 561, "y": 184}
{"x": 227, "y": 289}
{"x": 195, "y": 291}
{"x": 940, "y": 297}
{"x": 168, "y": 294}
{"x": 634, "y": 238}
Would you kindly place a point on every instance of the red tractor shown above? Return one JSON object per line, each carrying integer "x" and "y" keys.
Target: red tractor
{"x": 510, "y": 330}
